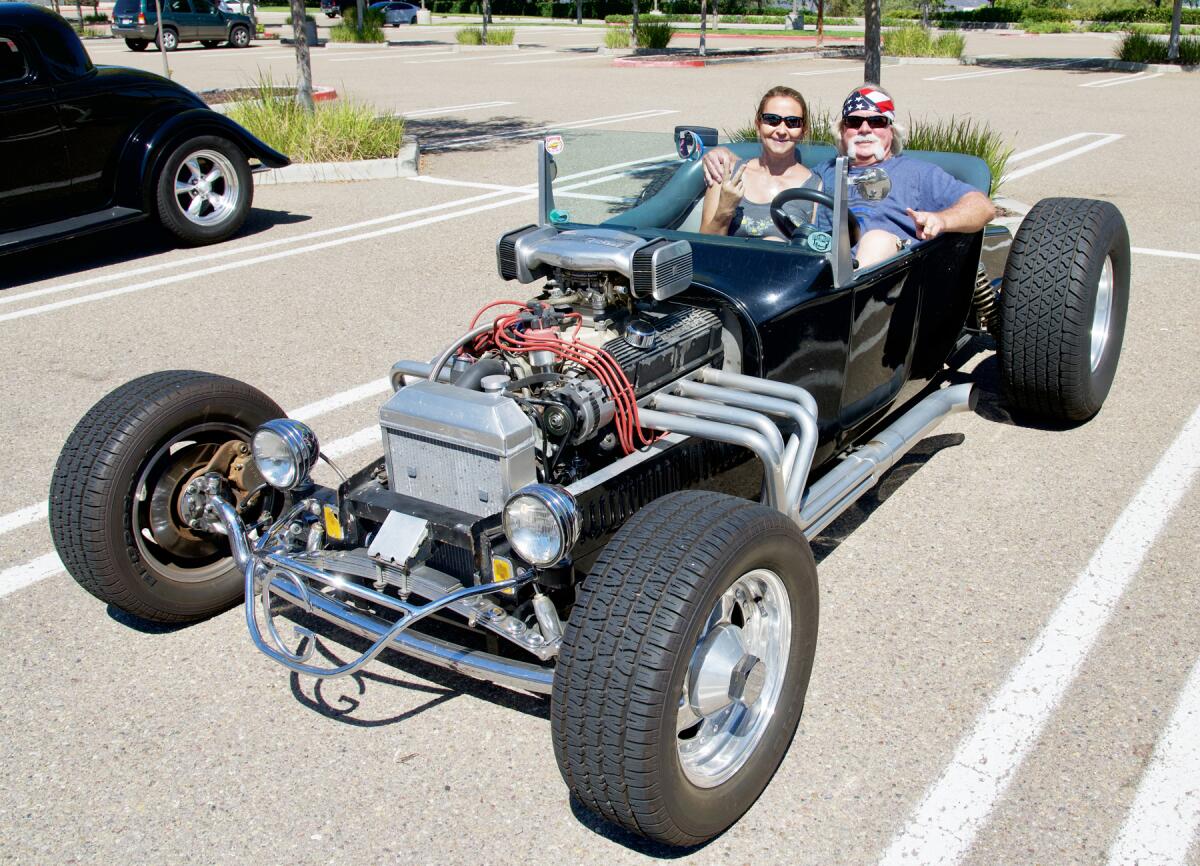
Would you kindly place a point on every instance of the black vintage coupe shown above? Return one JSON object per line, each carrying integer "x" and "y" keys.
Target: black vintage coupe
{"x": 606, "y": 492}
{"x": 83, "y": 147}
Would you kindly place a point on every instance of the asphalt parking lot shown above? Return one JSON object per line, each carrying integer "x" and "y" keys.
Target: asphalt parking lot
{"x": 1008, "y": 667}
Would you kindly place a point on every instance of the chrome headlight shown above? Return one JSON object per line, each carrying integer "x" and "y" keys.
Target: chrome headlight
{"x": 285, "y": 452}
{"x": 542, "y": 523}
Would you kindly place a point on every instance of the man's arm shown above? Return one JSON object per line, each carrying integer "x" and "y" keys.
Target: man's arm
{"x": 969, "y": 214}
{"x": 718, "y": 162}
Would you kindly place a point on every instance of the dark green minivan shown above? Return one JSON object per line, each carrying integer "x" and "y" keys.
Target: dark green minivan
{"x": 200, "y": 21}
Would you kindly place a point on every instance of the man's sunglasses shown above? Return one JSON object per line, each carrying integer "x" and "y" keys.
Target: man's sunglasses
{"x": 791, "y": 121}
{"x": 879, "y": 121}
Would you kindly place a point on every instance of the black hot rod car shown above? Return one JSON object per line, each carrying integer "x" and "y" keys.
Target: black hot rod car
{"x": 604, "y": 493}
{"x": 84, "y": 147}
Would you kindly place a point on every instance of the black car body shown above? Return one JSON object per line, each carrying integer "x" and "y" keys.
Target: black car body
{"x": 203, "y": 21}
{"x": 94, "y": 144}
{"x": 607, "y": 493}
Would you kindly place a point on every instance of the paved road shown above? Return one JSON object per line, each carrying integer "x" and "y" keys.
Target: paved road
{"x": 1019, "y": 595}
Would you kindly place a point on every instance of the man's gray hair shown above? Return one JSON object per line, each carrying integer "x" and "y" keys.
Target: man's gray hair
{"x": 899, "y": 130}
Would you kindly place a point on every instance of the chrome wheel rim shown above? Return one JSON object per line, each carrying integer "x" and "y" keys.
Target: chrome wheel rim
{"x": 168, "y": 40}
{"x": 1102, "y": 317}
{"x": 734, "y": 678}
{"x": 241, "y": 37}
{"x": 207, "y": 191}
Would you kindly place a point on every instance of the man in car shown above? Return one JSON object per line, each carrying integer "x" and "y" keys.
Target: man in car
{"x": 925, "y": 200}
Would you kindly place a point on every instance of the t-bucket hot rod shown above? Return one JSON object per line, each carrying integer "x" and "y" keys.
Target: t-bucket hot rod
{"x": 605, "y": 494}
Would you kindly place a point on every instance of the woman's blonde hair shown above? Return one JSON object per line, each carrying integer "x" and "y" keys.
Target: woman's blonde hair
{"x": 790, "y": 93}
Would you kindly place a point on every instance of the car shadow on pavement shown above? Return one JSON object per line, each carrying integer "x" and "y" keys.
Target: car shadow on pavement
{"x": 118, "y": 245}
{"x": 625, "y": 839}
{"x": 145, "y": 626}
{"x": 450, "y": 133}
{"x": 352, "y": 706}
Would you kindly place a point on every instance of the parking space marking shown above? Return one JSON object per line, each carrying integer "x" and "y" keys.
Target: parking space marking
{"x": 470, "y": 184}
{"x": 962, "y": 76}
{"x": 458, "y": 58}
{"x": 564, "y": 59}
{"x": 1165, "y": 814}
{"x": 538, "y": 130}
{"x": 445, "y": 109}
{"x": 1050, "y": 145}
{"x": 1105, "y": 138}
{"x": 1122, "y": 79}
{"x": 21, "y": 576}
{"x": 23, "y": 517}
{"x": 1169, "y": 254}
{"x": 957, "y": 807}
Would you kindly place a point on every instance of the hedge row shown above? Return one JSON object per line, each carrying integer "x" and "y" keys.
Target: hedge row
{"x": 1014, "y": 14}
{"x": 695, "y": 19}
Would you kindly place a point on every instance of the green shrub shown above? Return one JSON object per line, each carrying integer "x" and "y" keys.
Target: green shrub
{"x": 336, "y": 131}
{"x": 1144, "y": 48}
{"x": 500, "y": 35}
{"x": 1047, "y": 26}
{"x": 616, "y": 37}
{"x": 919, "y": 42}
{"x": 695, "y": 19}
{"x": 1041, "y": 13}
{"x": 97, "y": 18}
{"x": 288, "y": 20}
{"x": 1102, "y": 27}
{"x": 654, "y": 34}
{"x": 469, "y": 36}
{"x": 951, "y": 134}
{"x": 495, "y": 36}
{"x": 346, "y": 30}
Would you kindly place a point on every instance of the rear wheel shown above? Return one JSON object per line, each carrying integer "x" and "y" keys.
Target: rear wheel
{"x": 117, "y": 496}
{"x": 137, "y": 44}
{"x": 239, "y": 37}
{"x": 204, "y": 190}
{"x": 684, "y": 665}
{"x": 169, "y": 39}
{"x": 1062, "y": 308}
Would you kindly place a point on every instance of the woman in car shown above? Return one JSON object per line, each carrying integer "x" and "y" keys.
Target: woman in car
{"x": 741, "y": 205}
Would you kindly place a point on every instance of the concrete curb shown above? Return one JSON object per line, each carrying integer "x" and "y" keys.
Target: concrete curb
{"x": 470, "y": 48}
{"x": 320, "y": 94}
{"x": 404, "y": 165}
{"x": 1099, "y": 63}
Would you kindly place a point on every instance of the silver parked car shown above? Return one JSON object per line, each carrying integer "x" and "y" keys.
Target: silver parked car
{"x": 396, "y": 13}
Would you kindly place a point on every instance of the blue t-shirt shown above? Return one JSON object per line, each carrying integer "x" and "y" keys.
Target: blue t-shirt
{"x": 916, "y": 184}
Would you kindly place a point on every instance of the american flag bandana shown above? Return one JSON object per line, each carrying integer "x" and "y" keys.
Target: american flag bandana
{"x": 869, "y": 99}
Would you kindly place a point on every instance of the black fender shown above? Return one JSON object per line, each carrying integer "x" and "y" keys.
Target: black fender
{"x": 148, "y": 148}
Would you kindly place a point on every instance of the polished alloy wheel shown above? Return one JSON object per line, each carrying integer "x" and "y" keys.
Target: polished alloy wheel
{"x": 206, "y": 188}
{"x": 734, "y": 678}
{"x": 1102, "y": 317}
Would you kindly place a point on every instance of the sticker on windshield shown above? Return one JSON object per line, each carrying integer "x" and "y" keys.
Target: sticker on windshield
{"x": 820, "y": 242}
{"x": 554, "y": 144}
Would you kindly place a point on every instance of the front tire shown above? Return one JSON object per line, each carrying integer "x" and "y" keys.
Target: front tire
{"x": 684, "y": 665}
{"x": 239, "y": 37}
{"x": 204, "y": 191}
{"x": 1062, "y": 308}
{"x": 115, "y": 492}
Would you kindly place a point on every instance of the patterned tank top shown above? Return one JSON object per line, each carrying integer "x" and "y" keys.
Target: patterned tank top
{"x": 752, "y": 219}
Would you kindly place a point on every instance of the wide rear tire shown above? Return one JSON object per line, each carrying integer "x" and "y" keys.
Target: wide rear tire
{"x": 696, "y": 588}
{"x": 1062, "y": 308}
{"x": 114, "y": 493}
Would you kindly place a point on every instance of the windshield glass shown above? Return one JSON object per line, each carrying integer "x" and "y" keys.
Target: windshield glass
{"x": 603, "y": 174}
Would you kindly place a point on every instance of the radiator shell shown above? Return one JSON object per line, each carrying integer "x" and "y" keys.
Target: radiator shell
{"x": 455, "y": 447}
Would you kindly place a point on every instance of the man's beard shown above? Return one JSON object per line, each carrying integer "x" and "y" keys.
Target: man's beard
{"x": 876, "y": 146}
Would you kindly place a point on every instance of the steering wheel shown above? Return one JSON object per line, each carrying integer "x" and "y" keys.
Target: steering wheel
{"x": 802, "y": 231}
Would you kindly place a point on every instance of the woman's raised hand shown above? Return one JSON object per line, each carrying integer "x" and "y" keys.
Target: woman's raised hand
{"x": 732, "y": 190}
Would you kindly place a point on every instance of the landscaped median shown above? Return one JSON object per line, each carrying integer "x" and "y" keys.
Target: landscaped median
{"x": 341, "y": 140}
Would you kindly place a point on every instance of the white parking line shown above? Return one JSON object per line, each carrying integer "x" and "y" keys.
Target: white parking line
{"x": 955, "y": 809}
{"x": 849, "y": 67}
{"x": 962, "y": 76}
{"x": 538, "y": 130}
{"x": 1122, "y": 79}
{"x": 23, "y": 517}
{"x": 446, "y": 109}
{"x": 1050, "y": 145}
{"x": 1162, "y": 822}
{"x": 1106, "y": 138}
{"x": 563, "y": 59}
{"x": 459, "y": 58}
{"x": 1169, "y": 254}
{"x": 396, "y": 54}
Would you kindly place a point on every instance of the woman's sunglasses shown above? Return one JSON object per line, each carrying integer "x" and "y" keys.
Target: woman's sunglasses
{"x": 879, "y": 121}
{"x": 791, "y": 121}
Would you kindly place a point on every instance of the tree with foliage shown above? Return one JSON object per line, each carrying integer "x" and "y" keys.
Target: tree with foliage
{"x": 304, "y": 89}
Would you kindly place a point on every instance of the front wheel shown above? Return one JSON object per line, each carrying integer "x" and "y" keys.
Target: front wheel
{"x": 1062, "y": 308}
{"x": 239, "y": 37}
{"x": 118, "y": 506}
{"x": 204, "y": 190}
{"x": 684, "y": 665}
{"x": 137, "y": 44}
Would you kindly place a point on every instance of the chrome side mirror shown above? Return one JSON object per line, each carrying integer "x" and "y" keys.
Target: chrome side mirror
{"x": 690, "y": 146}
{"x": 873, "y": 184}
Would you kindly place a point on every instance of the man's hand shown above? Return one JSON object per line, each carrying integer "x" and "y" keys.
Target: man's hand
{"x": 732, "y": 191}
{"x": 929, "y": 224}
{"x": 718, "y": 162}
